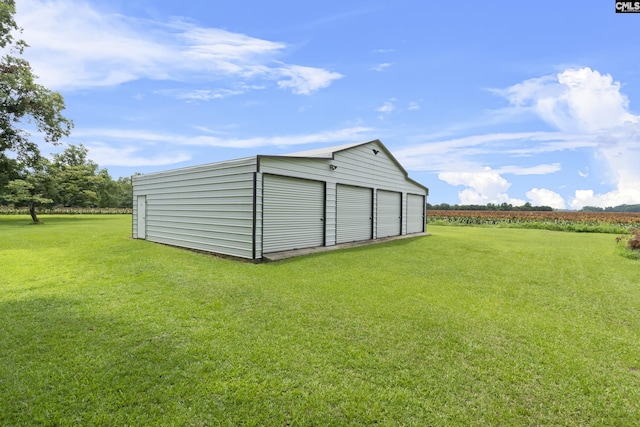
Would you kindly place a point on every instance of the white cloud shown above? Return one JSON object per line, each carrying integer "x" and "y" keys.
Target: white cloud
{"x": 580, "y": 100}
{"x": 223, "y": 49}
{"x": 590, "y": 104}
{"x": 75, "y": 45}
{"x": 381, "y": 67}
{"x": 208, "y": 94}
{"x": 150, "y": 137}
{"x": 199, "y": 94}
{"x": 387, "y": 108}
{"x": 589, "y": 112}
{"x": 462, "y": 154}
{"x": 545, "y": 197}
{"x": 342, "y": 135}
{"x": 533, "y": 170}
{"x": 413, "y": 106}
{"x": 106, "y": 155}
{"x": 305, "y": 80}
{"x": 613, "y": 198}
{"x": 489, "y": 186}
{"x": 484, "y": 186}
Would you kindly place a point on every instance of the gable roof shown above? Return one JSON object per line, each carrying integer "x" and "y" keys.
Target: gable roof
{"x": 326, "y": 152}
{"x": 318, "y": 154}
{"x": 330, "y": 152}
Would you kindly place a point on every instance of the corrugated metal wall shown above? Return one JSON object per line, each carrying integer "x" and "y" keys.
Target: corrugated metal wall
{"x": 293, "y": 213}
{"x": 389, "y": 214}
{"x": 330, "y": 214}
{"x": 209, "y": 207}
{"x": 416, "y": 221}
{"x": 354, "y": 213}
{"x": 258, "y": 220}
{"x": 367, "y": 165}
{"x": 263, "y": 204}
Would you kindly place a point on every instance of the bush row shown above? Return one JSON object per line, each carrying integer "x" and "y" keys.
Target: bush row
{"x": 554, "y": 225}
{"x": 8, "y": 210}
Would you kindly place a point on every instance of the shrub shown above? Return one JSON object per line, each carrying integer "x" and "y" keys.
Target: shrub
{"x": 634, "y": 241}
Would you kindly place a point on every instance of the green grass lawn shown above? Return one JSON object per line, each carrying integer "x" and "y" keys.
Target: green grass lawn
{"x": 468, "y": 326}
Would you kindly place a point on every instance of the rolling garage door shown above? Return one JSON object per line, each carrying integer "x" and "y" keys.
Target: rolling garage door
{"x": 415, "y": 213}
{"x": 354, "y": 209}
{"x": 389, "y": 213}
{"x": 293, "y": 213}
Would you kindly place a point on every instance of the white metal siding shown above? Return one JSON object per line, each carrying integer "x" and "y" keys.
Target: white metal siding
{"x": 354, "y": 213}
{"x": 293, "y": 213}
{"x": 222, "y": 207}
{"x": 415, "y": 213}
{"x": 141, "y": 217}
{"x": 357, "y": 166}
{"x": 257, "y": 225}
{"x": 330, "y": 215}
{"x": 208, "y": 207}
{"x": 389, "y": 213}
{"x": 361, "y": 166}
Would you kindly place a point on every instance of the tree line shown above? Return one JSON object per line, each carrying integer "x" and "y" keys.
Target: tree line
{"x": 619, "y": 208}
{"x": 489, "y": 207}
{"x": 67, "y": 179}
{"x": 526, "y": 207}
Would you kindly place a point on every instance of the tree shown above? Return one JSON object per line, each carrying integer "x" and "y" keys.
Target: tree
{"x": 125, "y": 192}
{"x": 9, "y": 170}
{"x": 114, "y": 194}
{"x": 80, "y": 182}
{"x": 76, "y": 177}
{"x": 31, "y": 190}
{"x": 22, "y": 100}
{"x": 70, "y": 179}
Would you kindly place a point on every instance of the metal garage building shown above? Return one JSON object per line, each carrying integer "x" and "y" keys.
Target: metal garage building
{"x": 263, "y": 204}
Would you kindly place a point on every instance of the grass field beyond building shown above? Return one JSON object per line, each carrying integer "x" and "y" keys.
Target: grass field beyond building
{"x": 468, "y": 326}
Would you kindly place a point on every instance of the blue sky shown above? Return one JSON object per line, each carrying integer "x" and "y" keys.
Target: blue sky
{"x": 482, "y": 102}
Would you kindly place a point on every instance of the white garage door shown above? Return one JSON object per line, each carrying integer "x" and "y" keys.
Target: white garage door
{"x": 354, "y": 210}
{"x": 293, "y": 213}
{"x": 415, "y": 213}
{"x": 389, "y": 213}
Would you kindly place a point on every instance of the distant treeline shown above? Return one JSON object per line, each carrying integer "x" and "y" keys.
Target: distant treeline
{"x": 68, "y": 179}
{"x": 619, "y": 208}
{"x": 488, "y": 207}
{"x": 526, "y": 207}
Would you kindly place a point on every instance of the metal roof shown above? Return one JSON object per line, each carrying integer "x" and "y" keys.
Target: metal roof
{"x": 326, "y": 152}
{"x": 329, "y": 153}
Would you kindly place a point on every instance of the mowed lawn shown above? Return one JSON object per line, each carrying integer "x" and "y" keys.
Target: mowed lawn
{"x": 468, "y": 326}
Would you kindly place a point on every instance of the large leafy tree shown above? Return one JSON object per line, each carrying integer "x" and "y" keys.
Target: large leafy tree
{"x": 33, "y": 189}
{"x": 77, "y": 178}
{"x": 24, "y": 102}
{"x": 80, "y": 182}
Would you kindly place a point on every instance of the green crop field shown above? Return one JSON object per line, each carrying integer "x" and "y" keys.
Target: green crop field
{"x": 468, "y": 326}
